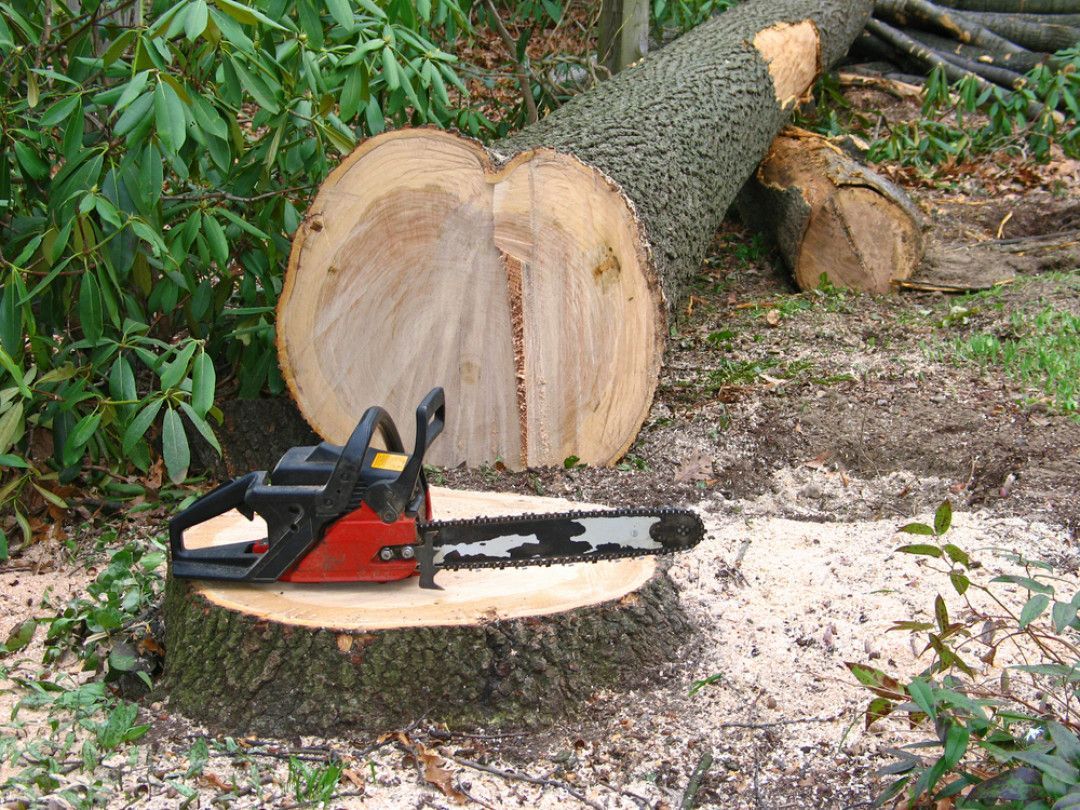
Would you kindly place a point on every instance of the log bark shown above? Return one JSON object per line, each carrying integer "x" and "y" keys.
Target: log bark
{"x": 1015, "y": 6}
{"x": 1020, "y": 62}
{"x": 498, "y": 648}
{"x": 1047, "y": 34}
{"x": 534, "y": 279}
{"x": 831, "y": 216}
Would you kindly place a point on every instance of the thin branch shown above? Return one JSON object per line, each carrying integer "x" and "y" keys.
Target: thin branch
{"x": 533, "y": 780}
{"x": 225, "y": 195}
{"x": 523, "y": 68}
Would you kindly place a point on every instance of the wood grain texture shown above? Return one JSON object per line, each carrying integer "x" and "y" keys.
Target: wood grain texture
{"x": 499, "y": 648}
{"x": 535, "y": 279}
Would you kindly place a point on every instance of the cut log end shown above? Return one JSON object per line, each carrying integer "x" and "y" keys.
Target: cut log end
{"x": 524, "y": 289}
{"x": 500, "y": 648}
{"x": 832, "y": 217}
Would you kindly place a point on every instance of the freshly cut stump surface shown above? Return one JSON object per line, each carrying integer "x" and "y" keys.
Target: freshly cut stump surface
{"x": 503, "y": 648}
{"x": 534, "y": 278}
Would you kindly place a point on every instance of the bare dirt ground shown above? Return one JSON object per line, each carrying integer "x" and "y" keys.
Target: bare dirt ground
{"x": 805, "y": 438}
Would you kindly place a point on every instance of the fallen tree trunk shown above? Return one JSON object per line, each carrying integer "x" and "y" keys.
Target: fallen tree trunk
{"x": 831, "y": 216}
{"x": 533, "y": 279}
{"x": 498, "y": 648}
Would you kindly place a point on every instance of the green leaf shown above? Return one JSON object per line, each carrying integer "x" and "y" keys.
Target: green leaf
{"x": 390, "y": 71}
{"x": 941, "y": 613}
{"x": 20, "y": 636}
{"x": 123, "y": 657}
{"x": 1065, "y": 742}
{"x": 1063, "y": 614}
{"x": 349, "y": 104}
{"x": 169, "y": 117}
{"x": 921, "y": 548}
{"x": 956, "y": 742}
{"x": 956, "y": 554}
{"x": 215, "y": 238}
{"x": 878, "y": 709}
{"x": 923, "y": 695}
{"x": 140, "y": 424}
{"x": 1050, "y": 765}
{"x": 174, "y": 447}
{"x": 1033, "y": 609}
{"x": 175, "y": 370}
{"x": 11, "y": 323}
{"x": 202, "y": 426}
{"x": 1026, "y": 582}
{"x": 255, "y": 86}
{"x": 917, "y": 528}
{"x": 84, "y": 429}
{"x": 960, "y": 582}
{"x": 3, "y": 546}
{"x": 208, "y": 118}
{"x": 243, "y": 224}
{"x": 246, "y": 14}
{"x": 11, "y": 426}
{"x": 16, "y": 462}
{"x": 90, "y": 312}
{"x": 342, "y": 12}
{"x": 203, "y": 384}
{"x": 34, "y": 166}
{"x": 943, "y": 518}
{"x": 195, "y": 20}
{"x": 134, "y": 114}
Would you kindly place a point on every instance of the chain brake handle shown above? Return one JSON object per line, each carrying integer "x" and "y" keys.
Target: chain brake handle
{"x": 390, "y": 499}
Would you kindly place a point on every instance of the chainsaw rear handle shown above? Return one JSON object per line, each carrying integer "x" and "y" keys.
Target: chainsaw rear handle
{"x": 230, "y": 495}
{"x": 390, "y": 499}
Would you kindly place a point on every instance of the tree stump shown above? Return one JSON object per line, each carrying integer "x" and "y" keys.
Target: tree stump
{"x": 534, "y": 278}
{"x": 498, "y": 648}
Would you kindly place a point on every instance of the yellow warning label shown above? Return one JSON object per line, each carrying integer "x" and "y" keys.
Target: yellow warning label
{"x": 389, "y": 461}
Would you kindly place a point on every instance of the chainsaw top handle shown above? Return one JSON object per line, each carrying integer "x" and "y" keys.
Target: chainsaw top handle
{"x": 390, "y": 498}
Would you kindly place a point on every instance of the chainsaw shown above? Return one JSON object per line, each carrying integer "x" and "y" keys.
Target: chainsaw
{"x": 362, "y": 513}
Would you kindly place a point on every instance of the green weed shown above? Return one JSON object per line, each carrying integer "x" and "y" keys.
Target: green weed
{"x": 988, "y": 740}
{"x": 1042, "y": 351}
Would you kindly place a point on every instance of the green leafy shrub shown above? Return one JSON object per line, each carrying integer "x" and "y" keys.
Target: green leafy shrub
{"x": 1004, "y": 738}
{"x": 950, "y": 130}
{"x": 155, "y": 158}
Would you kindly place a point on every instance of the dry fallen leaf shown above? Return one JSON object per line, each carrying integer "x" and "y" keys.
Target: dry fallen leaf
{"x": 772, "y": 317}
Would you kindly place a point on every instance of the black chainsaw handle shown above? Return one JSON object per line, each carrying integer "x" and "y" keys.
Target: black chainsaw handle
{"x": 339, "y": 487}
{"x": 229, "y": 495}
{"x": 390, "y": 499}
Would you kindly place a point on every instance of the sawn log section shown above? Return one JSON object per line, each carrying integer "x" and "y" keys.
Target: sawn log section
{"x": 499, "y": 648}
{"x": 535, "y": 279}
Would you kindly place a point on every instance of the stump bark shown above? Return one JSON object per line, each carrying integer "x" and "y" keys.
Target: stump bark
{"x": 498, "y": 648}
{"x": 831, "y": 216}
{"x": 534, "y": 278}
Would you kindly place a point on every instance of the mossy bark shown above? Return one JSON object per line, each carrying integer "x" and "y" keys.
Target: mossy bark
{"x": 240, "y": 673}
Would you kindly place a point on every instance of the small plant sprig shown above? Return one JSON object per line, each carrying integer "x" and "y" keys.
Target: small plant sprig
{"x": 1004, "y": 735}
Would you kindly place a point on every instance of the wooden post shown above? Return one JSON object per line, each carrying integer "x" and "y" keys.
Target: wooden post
{"x": 624, "y": 32}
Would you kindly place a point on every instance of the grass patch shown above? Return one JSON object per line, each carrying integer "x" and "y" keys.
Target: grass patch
{"x": 1041, "y": 350}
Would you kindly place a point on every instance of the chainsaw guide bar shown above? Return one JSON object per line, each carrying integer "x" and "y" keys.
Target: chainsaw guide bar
{"x": 361, "y": 514}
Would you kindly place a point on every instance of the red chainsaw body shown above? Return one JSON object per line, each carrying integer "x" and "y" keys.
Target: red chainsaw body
{"x": 349, "y": 550}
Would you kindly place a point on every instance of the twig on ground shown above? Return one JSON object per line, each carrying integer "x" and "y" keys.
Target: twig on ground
{"x": 534, "y": 780}
{"x": 797, "y": 721}
{"x": 694, "y": 785}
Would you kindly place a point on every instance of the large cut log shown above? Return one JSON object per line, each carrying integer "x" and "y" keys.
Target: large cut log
{"x": 831, "y": 216}
{"x": 534, "y": 278}
{"x": 500, "y": 648}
